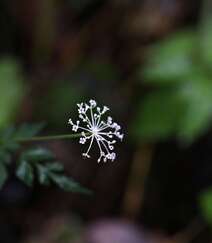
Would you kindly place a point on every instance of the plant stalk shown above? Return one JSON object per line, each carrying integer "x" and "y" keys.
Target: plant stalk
{"x": 47, "y": 138}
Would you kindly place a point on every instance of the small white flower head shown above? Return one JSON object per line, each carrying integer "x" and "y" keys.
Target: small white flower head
{"x": 105, "y": 133}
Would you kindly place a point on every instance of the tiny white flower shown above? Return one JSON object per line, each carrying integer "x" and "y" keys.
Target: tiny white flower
{"x": 92, "y": 103}
{"x": 82, "y": 140}
{"x": 70, "y": 121}
{"x": 75, "y": 127}
{"x": 104, "y": 133}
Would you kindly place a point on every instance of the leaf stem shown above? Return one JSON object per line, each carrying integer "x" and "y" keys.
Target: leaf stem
{"x": 46, "y": 138}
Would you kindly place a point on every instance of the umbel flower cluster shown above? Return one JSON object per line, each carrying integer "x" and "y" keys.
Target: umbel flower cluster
{"x": 105, "y": 133}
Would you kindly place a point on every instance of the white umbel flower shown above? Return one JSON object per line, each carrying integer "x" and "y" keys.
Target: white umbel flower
{"x": 105, "y": 133}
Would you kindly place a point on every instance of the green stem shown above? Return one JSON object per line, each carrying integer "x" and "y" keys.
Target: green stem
{"x": 46, "y": 138}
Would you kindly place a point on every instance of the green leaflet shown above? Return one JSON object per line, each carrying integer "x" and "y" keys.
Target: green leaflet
{"x": 25, "y": 172}
{"x": 37, "y": 155}
{"x": 68, "y": 184}
{"x": 28, "y": 130}
{"x": 41, "y": 162}
{"x": 43, "y": 174}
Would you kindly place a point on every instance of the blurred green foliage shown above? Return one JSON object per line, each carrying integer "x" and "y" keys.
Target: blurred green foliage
{"x": 42, "y": 162}
{"x": 32, "y": 161}
{"x": 205, "y": 33}
{"x": 101, "y": 70}
{"x": 178, "y": 73}
{"x": 12, "y": 90}
{"x": 9, "y": 146}
{"x": 171, "y": 60}
{"x": 206, "y": 205}
{"x": 56, "y": 105}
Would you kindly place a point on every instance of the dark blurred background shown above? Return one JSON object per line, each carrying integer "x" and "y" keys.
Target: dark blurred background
{"x": 150, "y": 61}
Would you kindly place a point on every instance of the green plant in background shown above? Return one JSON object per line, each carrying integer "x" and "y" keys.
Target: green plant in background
{"x": 33, "y": 161}
{"x": 205, "y": 202}
{"x": 178, "y": 104}
{"x": 180, "y": 100}
{"x": 66, "y": 95}
{"x": 12, "y": 89}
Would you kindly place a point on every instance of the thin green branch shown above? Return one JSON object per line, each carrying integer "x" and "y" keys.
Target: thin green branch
{"x": 47, "y": 138}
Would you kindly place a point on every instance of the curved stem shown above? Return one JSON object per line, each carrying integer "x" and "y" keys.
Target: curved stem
{"x": 46, "y": 138}
{"x": 90, "y": 146}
